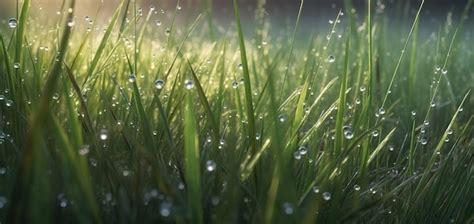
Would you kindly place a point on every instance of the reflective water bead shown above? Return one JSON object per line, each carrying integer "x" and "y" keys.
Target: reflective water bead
{"x": 444, "y": 71}
{"x": 327, "y": 196}
{"x": 188, "y": 84}
{"x": 331, "y": 59}
{"x": 103, "y": 134}
{"x": 288, "y": 208}
{"x": 12, "y": 22}
{"x": 357, "y": 187}
{"x": 159, "y": 84}
{"x": 235, "y": 84}
{"x": 315, "y": 189}
{"x": 303, "y": 150}
{"x": 132, "y": 78}
{"x": 210, "y": 165}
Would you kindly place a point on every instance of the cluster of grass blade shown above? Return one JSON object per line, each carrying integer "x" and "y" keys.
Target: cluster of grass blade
{"x": 186, "y": 123}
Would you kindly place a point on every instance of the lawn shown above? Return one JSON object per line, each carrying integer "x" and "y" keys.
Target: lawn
{"x": 146, "y": 118}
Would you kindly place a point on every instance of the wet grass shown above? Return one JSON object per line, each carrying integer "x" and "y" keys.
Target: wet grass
{"x": 145, "y": 119}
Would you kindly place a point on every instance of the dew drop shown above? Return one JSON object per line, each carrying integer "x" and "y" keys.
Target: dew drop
{"x": 297, "y": 155}
{"x": 348, "y": 134}
{"x": 103, "y": 134}
{"x": 16, "y": 65}
{"x": 235, "y": 84}
{"x": 281, "y": 118}
{"x": 381, "y": 111}
{"x": 188, "y": 84}
{"x": 327, "y": 196}
{"x": 9, "y": 103}
{"x": 303, "y": 150}
{"x": 331, "y": 59}
{"x": 210, "y": 166}
{"x": 84, "y": 150}
{"x": 132, "y": 78}
{"x": 158, "y": 23}
{"x": 12, "y": 22}
{"x": 375, "y": 133}
{"x": 159, "y": 84}
{"x": 288, "y": 208}
{"x": 444, "y": 71}
{"x": 315, "y": 189}
{"x": 357, "y": 187}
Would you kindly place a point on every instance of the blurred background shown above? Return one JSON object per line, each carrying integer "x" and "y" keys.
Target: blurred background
{"x": 222, "y": 8}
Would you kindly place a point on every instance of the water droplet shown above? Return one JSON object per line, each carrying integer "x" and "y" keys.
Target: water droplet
{"x": 288, "y": 208}
{"x": 71, "y": 23}
{"x": 362, "y": 88}
{"x": 331, "y": 59}
{"x": 167, "y": 31}
{"x": 437, "y": 68}
{"x": 132, "y": 78}
{"x": 165, "y": 209}
{"x": 188, "y": 84}
{"x": 315, "y": 189}
{"x": 327, "y": 196}
{"x": 55, "y": 96}
{"x": 347, "y": 131}
{"x": 158, "y": 22}
{"x": 159, "y": 83}
{"x": 413, "y": 113}
{"x": 103, "y": 134}
{"x": 12, "y": 22}
{"x": 423, "y": 141}
{"x": 297, "y": 155}
{"x": 391, "y": 148}
{"x": 16, "y": 65}
{"x": 235, "y": 84}
{"x": 331, "y": 21}
{"x": 450, "y": 131}
{"x": 375, "y": 133}
{"x": 303, "y": 150}
{"x": 357, "y": 187}
{"x": 444, "y": 71}
{"x": 210, "y": 165}
{"x": 9, "y": 103}
{"x": 84, "y": 150}
{"x": 282, "y": 118}
{"x": 381, "y": 111}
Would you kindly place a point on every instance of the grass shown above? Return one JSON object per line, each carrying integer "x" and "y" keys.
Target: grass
{"x": 365, "y": 124}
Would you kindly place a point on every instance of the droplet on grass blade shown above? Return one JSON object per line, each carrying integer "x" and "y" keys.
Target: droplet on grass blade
{"x": 210, "y": 165}
{"x": 331, "y": 59}
{"x": 159, "y": 84}
{"x": 188, "y": 84}
{"x": 103, "y": 134}
{"x": 12, "y": 22}
{"x": 327, "y": 196}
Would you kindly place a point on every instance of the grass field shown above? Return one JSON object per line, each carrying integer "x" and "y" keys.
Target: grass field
{"x": 138, "y": 119}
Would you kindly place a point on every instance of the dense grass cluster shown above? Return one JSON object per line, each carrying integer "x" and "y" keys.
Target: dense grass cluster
{"x": 143, "y": 120}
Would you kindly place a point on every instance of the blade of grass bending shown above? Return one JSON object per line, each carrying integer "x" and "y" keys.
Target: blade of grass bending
{"x": 342, "y": 102}
{"x": 79, "y": 168}
{"x": 380, "y": 146}
{"x": 205, "y": 103}
{"x": 402, "y": 54}
{"x": 103, "y": 44}
{"x": 192, "y": 160}
{"x": 33, "y": 139}
{"x": 439, "y": 146}
{"x": 291, "y": 49}
{"x": 247, "y": 85}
